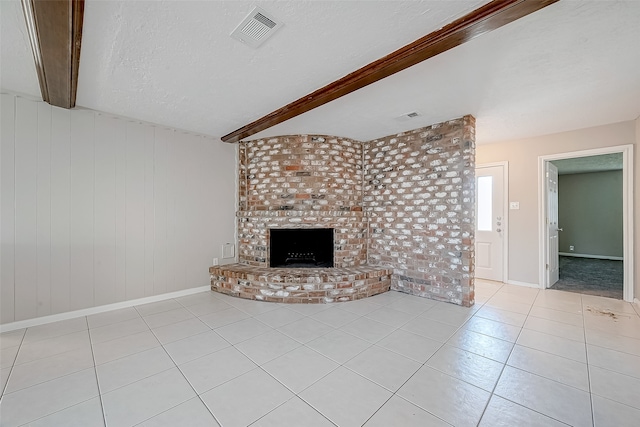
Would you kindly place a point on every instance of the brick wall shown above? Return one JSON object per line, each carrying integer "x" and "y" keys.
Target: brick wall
{"x": 301, "y": 173}
{"x": 404, "y": 201}
{"x": 419, "y": 197}
{"x": 301, "y": 181}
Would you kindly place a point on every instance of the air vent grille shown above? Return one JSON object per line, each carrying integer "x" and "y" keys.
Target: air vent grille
{"x": 257, "y": 27}
{"x": 408, "y": 116}
{"x": 266, "y": 21}
{"x": 255, "y": 30}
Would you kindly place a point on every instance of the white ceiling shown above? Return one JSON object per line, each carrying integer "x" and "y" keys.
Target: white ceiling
{"x": 571, "y": 65}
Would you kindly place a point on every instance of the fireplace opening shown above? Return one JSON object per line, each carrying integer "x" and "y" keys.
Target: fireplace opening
{"x": 301, "y": 247}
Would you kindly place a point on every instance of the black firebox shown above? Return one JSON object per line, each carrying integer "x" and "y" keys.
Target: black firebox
{"x": 301, "y": 247}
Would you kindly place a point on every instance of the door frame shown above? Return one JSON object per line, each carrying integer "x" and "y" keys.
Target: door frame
{"x": 505, "y": 209}
{"x": 627, "y": 211}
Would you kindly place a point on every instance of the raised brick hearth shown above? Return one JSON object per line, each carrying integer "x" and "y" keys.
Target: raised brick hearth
{"x": 402, "y": 209}
{"x": 300, "y": 285}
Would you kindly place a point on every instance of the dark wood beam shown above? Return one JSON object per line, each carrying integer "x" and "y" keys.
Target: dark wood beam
{"x": 482, "y": 20}
{"x": 55, "y": 33}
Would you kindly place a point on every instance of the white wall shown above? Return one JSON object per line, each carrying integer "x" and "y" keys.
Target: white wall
{"x": 522, "y": 156}
{"x": 636, "y": 208}
{"x": 96, "y": 209}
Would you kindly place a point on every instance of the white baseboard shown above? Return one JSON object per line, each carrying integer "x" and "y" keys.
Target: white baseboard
{"x": 614, "y": 258}
{"x": 519, "y": 283}
{"x": 100, "y": 309}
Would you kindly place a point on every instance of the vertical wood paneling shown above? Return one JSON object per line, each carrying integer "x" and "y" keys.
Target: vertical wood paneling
{"x": 44, "y": 209}
{"x": 96, "y": 210}
{"x": 175, "y": 179}
{"x": 190, "y": 241}
{"x": 120, "y": 147}
{"x": 160, "y": 210}
{"x": 211, "y": 244}
{"x": 182, "y": 211}
{"x": 60, "y": 208}
{"x": 203, "y": 227}
{"x": 195, "y": 246}
{"x": 105, "y": 211}
{"x": 7, "y": 208}
{"x": 26, "y": 155}
{"x": 135, "y": 210}
{"x": 82, "y": 193}
{"x": 172, "y": 177}
{"x": 218, "y": 154}
{"x": 149, "y": 220}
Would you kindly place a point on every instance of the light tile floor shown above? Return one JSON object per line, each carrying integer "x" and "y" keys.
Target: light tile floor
{"x": 519, "y": 357}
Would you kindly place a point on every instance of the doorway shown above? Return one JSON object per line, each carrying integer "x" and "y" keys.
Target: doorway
{"x": 491, "y": 221}
{"x": 600, "y": 248}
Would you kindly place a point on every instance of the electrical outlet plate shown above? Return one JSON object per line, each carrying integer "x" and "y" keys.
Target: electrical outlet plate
{"x": 514, "y": 205}
{"x": 228, "y": 250}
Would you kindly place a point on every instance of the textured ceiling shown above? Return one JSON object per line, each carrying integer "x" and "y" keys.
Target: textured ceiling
{"x": 600, "y": 163}
{"x": 571, "y": 65}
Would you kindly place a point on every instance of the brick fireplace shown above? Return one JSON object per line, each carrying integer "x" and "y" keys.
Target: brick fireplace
{"x": 301, "y": 182}
{"x": 309, "y": 247}
{"x": 401, "y": 209}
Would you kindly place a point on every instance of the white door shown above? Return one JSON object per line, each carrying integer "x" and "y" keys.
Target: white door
{"x": 490, "y": 222}
{"x": 553, "y": 269}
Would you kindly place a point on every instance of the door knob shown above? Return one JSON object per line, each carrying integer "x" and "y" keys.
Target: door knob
{"x": 560, "y": 229}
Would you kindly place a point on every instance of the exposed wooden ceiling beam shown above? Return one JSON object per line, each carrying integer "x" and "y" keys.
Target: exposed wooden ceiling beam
{"x": 482, "y": 20}
{"x": 55, "y": 33}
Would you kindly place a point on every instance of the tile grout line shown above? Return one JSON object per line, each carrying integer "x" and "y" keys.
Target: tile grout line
{"x": 260, "y": 366}
{"x": 586, "y": 355}
{"x": 361, "y": 316}
{"x": 41, "y": 359}
{"x": 491, "y": 394}
{"x": 13, "y": 363}
{"x": 394, "y": 393}
{"x": 339, "y": 365}
{"x": 53, "y": 379}
{"x": 504, "y": 366}
{"x": 297, "y": 394}
{"x": 95, "y": 371}
{"x": 424, "y": 364}
{"x": 343, "y": 365}
{"x": 417, "y": 370}
{"x": 287, "y": 401}
{"x": 175, "y": 365}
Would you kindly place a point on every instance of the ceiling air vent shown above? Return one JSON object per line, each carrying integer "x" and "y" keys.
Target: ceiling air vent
{"x": 257, "y": 27}
{"x": 408, "y": 116}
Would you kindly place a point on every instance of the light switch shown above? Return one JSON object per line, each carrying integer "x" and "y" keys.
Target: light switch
{"x": 514, "y": 205}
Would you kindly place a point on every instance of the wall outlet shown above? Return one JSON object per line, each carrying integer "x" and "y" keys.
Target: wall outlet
{"x": 215, "y": 261}
{"x": 514, "y": 205}
{"x": 228, "y": 250}
{"x": 571, "y": 248}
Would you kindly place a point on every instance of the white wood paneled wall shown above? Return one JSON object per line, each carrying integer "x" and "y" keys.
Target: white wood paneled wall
{"x": 96, "y": 209}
